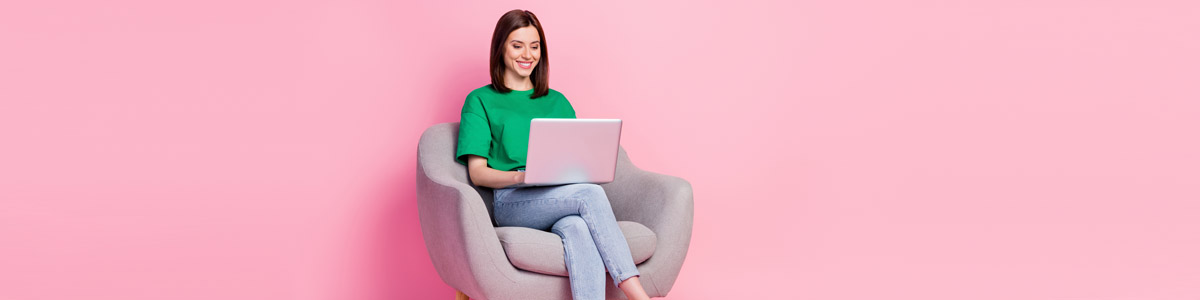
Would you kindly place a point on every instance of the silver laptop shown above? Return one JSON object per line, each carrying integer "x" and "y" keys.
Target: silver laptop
{"x": 563, "y": 151}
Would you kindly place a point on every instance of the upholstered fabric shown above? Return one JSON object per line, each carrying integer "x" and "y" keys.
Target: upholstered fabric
{"x": 542, "y": 251}
{"x": 465, "y": 246}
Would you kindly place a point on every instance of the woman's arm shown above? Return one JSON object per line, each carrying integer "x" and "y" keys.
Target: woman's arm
{"x": 482, "y": 175}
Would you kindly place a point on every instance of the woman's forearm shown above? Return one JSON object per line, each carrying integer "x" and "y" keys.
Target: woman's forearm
{"x": 485, "y": 176}
{"x": 482, "y": 175}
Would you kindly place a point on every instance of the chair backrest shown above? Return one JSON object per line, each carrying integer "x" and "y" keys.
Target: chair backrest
{"x": 435, "y": 155}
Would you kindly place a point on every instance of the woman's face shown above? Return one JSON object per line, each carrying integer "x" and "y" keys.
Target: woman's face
{"x": 523, "y": 51}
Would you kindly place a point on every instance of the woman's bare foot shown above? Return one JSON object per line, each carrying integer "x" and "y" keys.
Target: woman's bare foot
{"x": 633, "y": 289}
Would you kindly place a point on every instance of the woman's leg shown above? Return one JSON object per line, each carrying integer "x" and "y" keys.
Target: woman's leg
{"x": 541, "y": 207}
{"x": 584, "y": 267}
{"x": 633, "y": 289}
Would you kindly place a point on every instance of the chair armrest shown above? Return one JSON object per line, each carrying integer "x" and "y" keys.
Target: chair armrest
{"x": 664, "y": 204}
{"x": 649, "y": 198}
{"x": 457, "y": 227}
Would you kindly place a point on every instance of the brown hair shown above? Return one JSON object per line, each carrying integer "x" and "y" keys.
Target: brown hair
{"x": 509, "y": 22}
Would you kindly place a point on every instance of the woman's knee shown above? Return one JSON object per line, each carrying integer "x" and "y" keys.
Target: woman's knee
{"x": 586, "y": 189}
{"x": 572, "y": 224}
{"x": 591, "y": 194}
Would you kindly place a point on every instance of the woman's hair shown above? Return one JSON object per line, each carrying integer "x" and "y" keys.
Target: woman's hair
{"x": 509, "y": 22}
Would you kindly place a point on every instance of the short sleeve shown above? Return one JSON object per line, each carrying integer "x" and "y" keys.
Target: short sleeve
{"x": 570, "y": 108}
{"x": 474, "y": 132}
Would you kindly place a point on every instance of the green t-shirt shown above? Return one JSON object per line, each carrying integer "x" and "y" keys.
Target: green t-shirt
{"x": 496, "y": 125}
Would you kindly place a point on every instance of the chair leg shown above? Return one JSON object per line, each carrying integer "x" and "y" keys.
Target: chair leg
{"x": 460, "y": 296}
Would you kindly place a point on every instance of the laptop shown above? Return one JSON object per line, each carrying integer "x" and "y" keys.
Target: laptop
{"x": 564, "y": 151}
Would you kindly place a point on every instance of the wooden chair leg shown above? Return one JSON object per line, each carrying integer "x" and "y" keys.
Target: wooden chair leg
{"x": 460, "y": 296}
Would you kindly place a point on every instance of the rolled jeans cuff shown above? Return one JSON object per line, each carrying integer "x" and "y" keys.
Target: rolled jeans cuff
{"x": 618, "y": 278}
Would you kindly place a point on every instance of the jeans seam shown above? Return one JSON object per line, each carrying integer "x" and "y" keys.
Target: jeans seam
{"x": 616, "y": 274}
{"x": 591, "y": 230}
{"x": 566, "y": 251}
{"x": 522, "y": 201}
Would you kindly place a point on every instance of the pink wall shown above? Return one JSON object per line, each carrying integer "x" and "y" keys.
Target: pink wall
{"x": 838, "y": 149}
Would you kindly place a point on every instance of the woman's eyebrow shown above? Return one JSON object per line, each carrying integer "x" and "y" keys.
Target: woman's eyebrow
{"x": 519, "y": 41}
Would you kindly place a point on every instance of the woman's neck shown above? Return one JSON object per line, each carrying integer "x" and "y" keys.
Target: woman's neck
{"x": 517, "y": 82}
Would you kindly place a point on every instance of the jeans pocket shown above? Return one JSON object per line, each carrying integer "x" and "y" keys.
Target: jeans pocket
{"x": 500, "y": 193}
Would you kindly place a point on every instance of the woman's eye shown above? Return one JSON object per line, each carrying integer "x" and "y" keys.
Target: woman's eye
{"x": 534, "y": 48}
{"x": 516, "y": 47}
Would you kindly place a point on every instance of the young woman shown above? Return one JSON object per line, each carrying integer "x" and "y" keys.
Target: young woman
{"x": 492, "y": 140}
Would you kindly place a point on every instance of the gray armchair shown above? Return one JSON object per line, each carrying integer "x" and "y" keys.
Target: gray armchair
{"x": 484, "y": 261}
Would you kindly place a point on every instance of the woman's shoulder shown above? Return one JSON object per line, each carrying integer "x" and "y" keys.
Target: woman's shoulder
{"x": 554, "y": 93}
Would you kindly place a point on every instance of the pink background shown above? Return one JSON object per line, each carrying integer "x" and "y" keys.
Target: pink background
{"x": 839, "y": 149}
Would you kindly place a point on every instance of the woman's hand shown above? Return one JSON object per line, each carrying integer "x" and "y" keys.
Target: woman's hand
{"x": 482, "y": 175}
{"x": 519, "y": 176}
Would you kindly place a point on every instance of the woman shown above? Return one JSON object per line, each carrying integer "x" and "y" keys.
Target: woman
{"x": 492, "y": 140}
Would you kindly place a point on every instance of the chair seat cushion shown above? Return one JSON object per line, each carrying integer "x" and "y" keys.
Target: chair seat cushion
{"x": 542, "y": 251}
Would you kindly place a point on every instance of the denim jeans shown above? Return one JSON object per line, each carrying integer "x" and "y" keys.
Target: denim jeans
{"x": 581, "y": 215}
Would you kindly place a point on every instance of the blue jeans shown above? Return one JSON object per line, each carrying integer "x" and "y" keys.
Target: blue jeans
{"x": 581, "y": 215}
